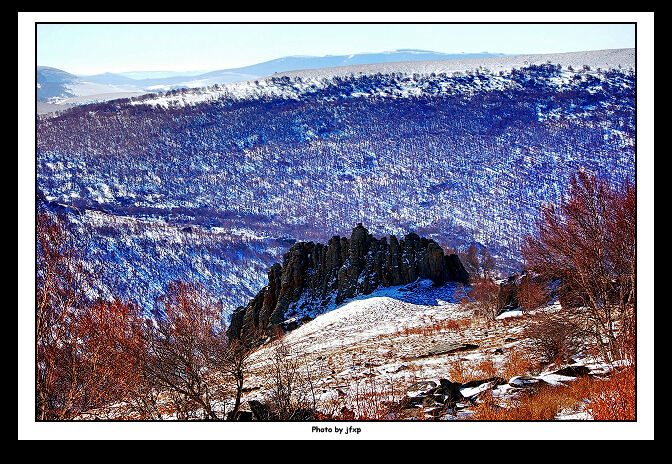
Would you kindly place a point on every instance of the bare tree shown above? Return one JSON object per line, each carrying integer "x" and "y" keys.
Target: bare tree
{"x": 184, "y": 343}
{"x": 81, "y": 361}
{"x": 487, "y": 263}
{"x": 478, "y": 262}
{"x": 588, "y": 243}
{"x": 235, "y": 365}
{"x": 470, "y": 260}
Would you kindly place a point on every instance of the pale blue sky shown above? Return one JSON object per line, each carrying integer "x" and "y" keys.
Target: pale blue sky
{"x": 96, "y": 48}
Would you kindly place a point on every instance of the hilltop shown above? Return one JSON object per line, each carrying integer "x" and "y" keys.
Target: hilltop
{"x": 58, "y": 90}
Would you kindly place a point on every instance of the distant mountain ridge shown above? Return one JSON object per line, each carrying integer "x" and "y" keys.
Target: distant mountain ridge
{"x": 58, "y": 86}
{"x": 55, "y": 85}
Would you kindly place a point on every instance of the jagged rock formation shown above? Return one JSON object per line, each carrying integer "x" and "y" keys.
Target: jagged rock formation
{"x": 316, "y": 275}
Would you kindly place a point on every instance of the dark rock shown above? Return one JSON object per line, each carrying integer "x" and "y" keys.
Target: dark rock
{"x": 417, "y": 394}
{"x": 423, "y": 385}
{"x": 303, "y": 414}
{"x": 260, "y": 411}
{"x": 242, "y": 416}
{"x": 475, "y": 383}
{"x": 314, "y": 275}
{"x": 525, "y": 381}
{"x": 573, "y": 371}
{"x": 433, "y": 401}
{"x": 446, "y": 348}
{"x": 426, "y": 398}
{"x": 450, "y": 390}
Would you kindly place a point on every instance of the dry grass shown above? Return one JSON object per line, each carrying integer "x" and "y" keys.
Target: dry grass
{"x": 487, "y": 368}
{"x": 462, "y": 371}
{"x": 518, "y": 362}
{"x": 432, "y": 326}
{"x": 371, "y": 400}
{"x": 609, "y": 399}
{"x": 616, "y": 399}
{"x": 543, "y": 403}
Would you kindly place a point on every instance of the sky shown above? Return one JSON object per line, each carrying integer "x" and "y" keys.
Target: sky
{"x": 85, "y": 49}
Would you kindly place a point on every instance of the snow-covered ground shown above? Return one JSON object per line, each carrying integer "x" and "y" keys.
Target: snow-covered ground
{"x": 393, "y": 345}
{"x": 384, "y": 342}
{"x": 301, "y": 82}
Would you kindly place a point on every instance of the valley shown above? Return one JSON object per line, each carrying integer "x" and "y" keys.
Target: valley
{"x": 463, "y": 157}
{"x": 227, "y": 244}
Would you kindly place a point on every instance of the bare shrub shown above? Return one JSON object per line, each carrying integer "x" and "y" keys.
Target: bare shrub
{"x": 555, "y": 340}
{"x": 431, "y": 326}
{"x": 374, "y": 400}
{"x": 482, "y": 298}
{"x": 532, "y": 293}
{"x": 518, "y": 361}
{"x": 588, "y": 243}
{"x": 291, "y": 392}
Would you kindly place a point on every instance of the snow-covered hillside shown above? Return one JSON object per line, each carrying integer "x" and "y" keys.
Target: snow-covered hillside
{"x": 137, "y": 258}
{"x": 604, "y": 59}
{"x": 63, "y": 89}
{"x": 392, "y": 344}
{"x": 458, "y": 154}
{"x": 310, "y": 80}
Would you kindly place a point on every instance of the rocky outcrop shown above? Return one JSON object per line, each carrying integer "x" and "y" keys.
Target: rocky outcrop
{"x": 317, "y": 275}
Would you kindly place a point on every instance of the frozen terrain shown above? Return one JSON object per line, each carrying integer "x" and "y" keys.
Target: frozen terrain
{"x": 387, "y": 342}
{"x": 458, "y": 152}
{"x": 311, "y": 79}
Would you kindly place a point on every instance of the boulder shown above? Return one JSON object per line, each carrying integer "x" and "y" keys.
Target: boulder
{"x": 495, "y": 381}
{"x": 525, "y": 381}
{"x": 450, "y": 390}
{"x": 261, "y": 411}
{"x": 573, "y": 371}
{"x": 242, "y": 416}
{"x": 447, "y": 348}
{"x": 420, "y": 387}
